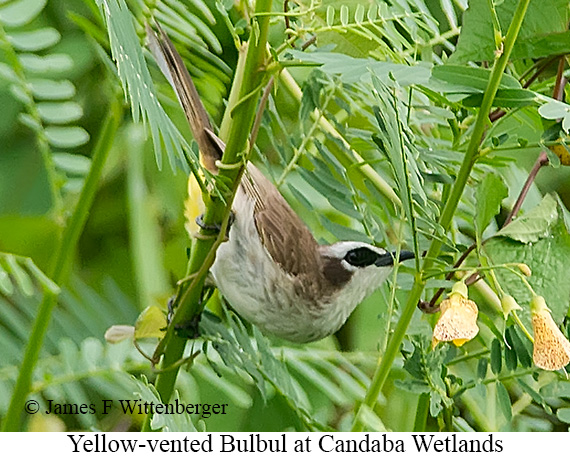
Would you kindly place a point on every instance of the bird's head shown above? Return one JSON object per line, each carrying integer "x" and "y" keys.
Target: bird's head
{"x": 357, "y": 269}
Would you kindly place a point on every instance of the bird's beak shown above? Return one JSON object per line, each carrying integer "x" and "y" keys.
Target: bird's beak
{"x": 388, "y": 258}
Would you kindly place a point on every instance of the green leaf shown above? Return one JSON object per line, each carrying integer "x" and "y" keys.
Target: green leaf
{"x": 496, "y": 356}
{"x": 20, "y": 12}
{"x": 542, "y": 32}
{"x": 554, "y": 110}
{"x": 548, "y": 259}
{"x": 556, "y": 389}
{"x": 510, "y": 358}
{"x": 20, "y": 94}
{"x": 522, "y": 353}
{"x": 504, "y": 401}
{"x": 563, "y": 414}
{"x": 60, "y": 113}
{"x": 344, "y": 15}
{"x": 238, "y": 396}
{"x": 468, "y": 80}
{"x": 536, "y": 397}
{"x": 181, "y": 16}
{"x": 330, "y": 16}
{"x": 72, "y": 164}
{"x": 352, "y": 69}
{"x": 66, "y": 137}
{"x": 139, "y": 88}
{"x": 166, "y": 422}
{"x": 359, "y": 14}
{"x": 30, "y": 122}
{"x": 21, "y": 277}
{"x": 415, "y": 386}
{"x": 6, "y": 285}
{"x": 543, "y": 45}
{"x": 238, "y": 353}
{"x": 371, "y": 420}
{"x": 47, "y": 89}
{"x": 436, "y": 403}
{"x": 40, "y": 276}
{"x": 535, "y": 224}
{"x": 393, "y": 140}
{"x": 505, "y": 98}
{"x": 390, "y": 29}
{"x": 489, "y": 194}
{"x": 482, "y": 368}
{"x": 300, "y": 197}
{"x": 34, "y": 40}
{"x": 50, "y": 64}
{"x": 321, "y": 382}
{"x": 7, "y": 72}
{"x": 341, "y": 232}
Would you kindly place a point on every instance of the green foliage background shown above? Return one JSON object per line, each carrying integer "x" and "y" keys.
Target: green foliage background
{"x": 381, "y": 112}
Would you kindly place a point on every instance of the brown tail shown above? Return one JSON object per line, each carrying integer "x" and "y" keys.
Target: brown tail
{"x": 173, "y": 68}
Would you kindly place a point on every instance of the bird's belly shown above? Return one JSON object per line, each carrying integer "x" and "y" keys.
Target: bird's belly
{"x": 264, "y": 296}
{"x": 261, "y": 292}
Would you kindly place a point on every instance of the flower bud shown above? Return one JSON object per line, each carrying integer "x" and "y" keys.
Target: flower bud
{"x": 525, "y": 269}
{"x": 460, "y": 288}
{"x": 509, "y": 304}
{"x": 117, "y": 333}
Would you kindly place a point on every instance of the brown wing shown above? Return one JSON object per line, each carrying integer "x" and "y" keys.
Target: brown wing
{"x": 282, "y": 232}
{"x": 173, "y": 68}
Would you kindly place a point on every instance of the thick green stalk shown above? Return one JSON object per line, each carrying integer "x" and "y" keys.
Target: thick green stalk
{"x": 386, "y": 361}
{"x": 242, "y": 117}
{"x": 59, "y": 269}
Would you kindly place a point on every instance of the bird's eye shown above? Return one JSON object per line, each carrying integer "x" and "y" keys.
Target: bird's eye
{"x": 361, "y": 257}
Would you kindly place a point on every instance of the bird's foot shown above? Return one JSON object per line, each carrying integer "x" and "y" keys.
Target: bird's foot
{"x": 214, "y": 228}
{"x": 189, "y": 330}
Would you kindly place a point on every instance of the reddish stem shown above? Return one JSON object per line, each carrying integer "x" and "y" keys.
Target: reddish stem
{"x": 542, "y": 160}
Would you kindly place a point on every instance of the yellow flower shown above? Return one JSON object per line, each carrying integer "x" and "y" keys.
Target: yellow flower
{"x": 551, "y": 348}
{"x": 458, "y": 319}
{"x": 193, "y": 206}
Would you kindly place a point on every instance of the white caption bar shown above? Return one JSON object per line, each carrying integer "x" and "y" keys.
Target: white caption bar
{"x": 318, "y": 444}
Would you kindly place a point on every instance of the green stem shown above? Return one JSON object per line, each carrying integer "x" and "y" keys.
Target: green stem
{"x": 59, "y": 269}
{"x": 217, "y": 209}
{"x": 385, "y": 362}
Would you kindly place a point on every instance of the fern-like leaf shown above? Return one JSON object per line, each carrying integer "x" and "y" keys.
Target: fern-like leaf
{"x": 17, "y": 273}
{"x": 34, "y": 74}
{"x": 139, "y": 88}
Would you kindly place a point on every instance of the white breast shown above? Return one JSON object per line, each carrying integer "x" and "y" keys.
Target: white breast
{"x": 261, "y": 292}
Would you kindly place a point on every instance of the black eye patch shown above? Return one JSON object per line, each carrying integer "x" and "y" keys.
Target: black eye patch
{"x": 361, "y": 257}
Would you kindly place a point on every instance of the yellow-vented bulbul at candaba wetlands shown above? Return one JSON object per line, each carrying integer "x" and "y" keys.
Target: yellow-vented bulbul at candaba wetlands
{"x": 271, "y": 269}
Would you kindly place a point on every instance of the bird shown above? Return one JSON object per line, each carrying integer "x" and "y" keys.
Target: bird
{"x": 271, "y": 269}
